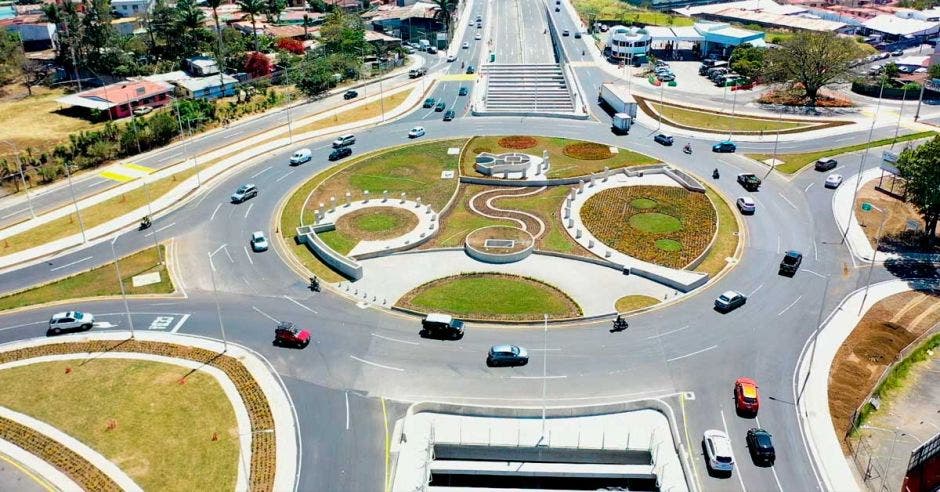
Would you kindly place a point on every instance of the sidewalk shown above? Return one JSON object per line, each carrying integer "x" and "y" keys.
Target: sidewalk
{"x": 812, "y": 407}
{"x": 255, "y": 146}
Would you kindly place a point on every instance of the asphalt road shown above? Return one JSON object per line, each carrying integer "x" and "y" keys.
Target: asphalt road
{"x": 370, "y": 356}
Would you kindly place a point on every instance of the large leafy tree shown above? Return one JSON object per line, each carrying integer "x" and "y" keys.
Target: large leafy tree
{"x": 342, "y": 33}
{"x": 253, "y": 8}
{"x": 190, "y": 24}
{"x": 812, "y": 59}
{"x": 11, "y": 55}
{"x": 445, "y": 10}
{"x": 748, "y": 60}
{"x": 274, "y": 10}
{"x": 316, "y": 5}
{"x": 920, "y": 169}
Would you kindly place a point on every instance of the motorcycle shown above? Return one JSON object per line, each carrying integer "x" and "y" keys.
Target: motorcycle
{"x": 687, "y": 149}
{"x": 715, "y": 173}
{"x": 314, "y": 284}
{"x": 145, "y": 223}
{"x": 620, "y": 324}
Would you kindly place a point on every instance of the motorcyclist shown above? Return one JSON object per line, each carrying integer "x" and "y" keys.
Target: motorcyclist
{"x": 620, "y": 324}
{"x": 314, "y": 284}
{"x": 145, "y": 222}
{"x": 715, "y": 173}
{"x": 688, "y": 148}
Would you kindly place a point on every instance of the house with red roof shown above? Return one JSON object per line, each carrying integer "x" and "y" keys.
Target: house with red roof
{"x": 120, "y": 99}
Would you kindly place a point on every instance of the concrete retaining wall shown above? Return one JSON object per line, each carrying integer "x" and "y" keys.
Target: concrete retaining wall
{"x": 679, "y": 176}
{"x": 346, "y": 266}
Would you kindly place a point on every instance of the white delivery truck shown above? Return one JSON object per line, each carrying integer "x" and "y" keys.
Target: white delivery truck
{"x": 621, "y": 123}
{"x": 618, "y": 98}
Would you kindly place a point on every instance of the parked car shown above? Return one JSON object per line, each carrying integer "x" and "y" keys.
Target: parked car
{"x": 662, "y": 138}
{"x": 442, "y": 326}
{"x": 905, "y": 69}
{"x": 724, "y": 147}
{"x": 749, "y": 181}
{"x": 339, "y": 153}
{"x": 718, "y": 455}
{"x": 833, "y": 181}
{"x": 429, "y": 102}
{"x": 825, "y": 164}
{"x": 666, "y": 77}
{"x": 70, "y": 321}
{"x": 507, "y": 355}
{"x": 730, "y": 300}
{"x": 874, "y": 69}
{"x": 416, "y": 132}
{"x": 746, "y": 205}
{"x": 301, "y": 156}
{"x": 244, "y": 192}
{"x": 761, "y": 446}
{"x": 285, "y": 333}
{"x": 471, "y": 69}
{"x": 142, "y": 110}
{"x": 449, "y": 115}
{"x": 746, "y": 396}
{"x": 344, "y": 141}
{"x": 441, "y": 106}
{"x": 417, "y": 72}
{"x": 557, "y": 9}
{"x": 463, "y": 91}
{"x": 350, "y": 94}
{"x": 432, "y": 50}
{"x": 259, "y": 243}
{"x": 790, "y": 263}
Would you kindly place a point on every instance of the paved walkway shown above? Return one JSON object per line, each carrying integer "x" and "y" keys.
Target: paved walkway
{"x": 834, "y": 471}
{"x": 425, "y": 228}
{"x": 593, "y": 287}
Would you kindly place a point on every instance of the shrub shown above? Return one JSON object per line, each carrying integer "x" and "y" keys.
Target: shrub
{"x": 257, "y": 65}
{"x": 291, "y": 45}
{"x": 587, "y": 151}
{"x": 517, "y": 142}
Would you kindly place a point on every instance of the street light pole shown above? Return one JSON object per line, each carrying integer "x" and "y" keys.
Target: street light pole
{"x": 218, "y": 307}
{"x": 186, "y": 148}
{"x": 861, "y": 163}
{"x": 290, "y": 133}
{"x": 871, "y": 265}
{"x": 773, "y": 160}
{"x": 156, "y": 243}
{"x": 117, "y": 268}
{"x": 81, "y": 225}
{"x": 19, "y": 164}
{"x": 813, "y": 337}
{"x": 544, "y": 370}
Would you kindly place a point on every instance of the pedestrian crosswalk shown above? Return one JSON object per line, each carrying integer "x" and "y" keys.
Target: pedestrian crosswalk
{"x": 123, "y": 173}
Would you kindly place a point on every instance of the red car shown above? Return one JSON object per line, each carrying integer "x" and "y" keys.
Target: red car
{"x": 285, "y": 333}
{"x": 746, "y": 398}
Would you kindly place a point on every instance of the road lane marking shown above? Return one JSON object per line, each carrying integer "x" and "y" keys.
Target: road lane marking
{"x": 772, "y": 467}
{"x": 259, "y": 173}
{"x": 26, "y": 471}
{"x": 759, "y": 287}
{"x": 778, "y": 244}
{"x": 377, "y": 364}
{"x": 815, "y": 250}
{"x": 808, "y": 187}
{"x": 791, "y": 305}
{"x": 738, "y": 472}
{"x": 266, "y": 315}
{"x": 535, "y": 377}
{"x": 76, "y": 262}
{"x": 347, "y": 410}
{"x": 250, "y": 261}
{"x": 685, "y": 426}
{"x": 11, "y": 214}
{"x": 395, "y": 339}
{"x": 284, "y": 176}
{"x": 299, "y": 304}
{"x": 667, "y": 333}
{"x": 249, "y": 209}
{"x": 217, "y": 250}
{"x": 230, "y": 259}
{"x": 812, "y": 273}
{"x": 161, "y": 229}
{"x": 388, "y": 449}
{"x": 691, "y": 354}
{"x": 788, "y": 201}
{"x": 179, "y": 324}
{"x": 217, "y": 207}
{"x": 97, "y": 183}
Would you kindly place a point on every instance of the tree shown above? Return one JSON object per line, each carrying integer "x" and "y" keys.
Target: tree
{"x": 935, "y": 71}
{"x": 313, "y": 76}
{"x": 921, "y": 173}
{"x": 11, "y": 56}
{"x": 274, "y": 10}
{"x": 190, "y": 23}
{"x": 291, "y": 45}
{"x": 748, "y": 60}
{"x": 343, "y": 33}
{"x": 257, "y": 65}
{"x": 316, "y": 5}
{"x": 891, "y": 70}
{"x": 444, "y": 12}
{"x": 812, "y": 59}
{"x": 253, "y": 8}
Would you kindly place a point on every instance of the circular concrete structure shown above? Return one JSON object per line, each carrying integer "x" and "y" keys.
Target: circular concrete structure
{"x": 499, "y": 244}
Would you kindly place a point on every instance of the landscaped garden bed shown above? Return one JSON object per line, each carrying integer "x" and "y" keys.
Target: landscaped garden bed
{"x": 369, "y": 224}
{"x": 567, "y": 157}
{"x": 665, "y": 225}
{"x": 499, "y": 240}
{"x": 491, "y": 296}
{"x": 896, "y": 236}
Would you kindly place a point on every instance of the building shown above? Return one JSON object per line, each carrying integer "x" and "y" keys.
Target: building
{"x": 208, "y": 87}
{"x": 901, "y": 30}
{"x": 36, "y": 33}
{"x": 409, "y": 22}
{"x": 628, "y": 43}
{"x": 765, "y": 13}
{"x": 120, "y": 99}
{"x": 131, "y": 8}
{"x": 201, "y": 66}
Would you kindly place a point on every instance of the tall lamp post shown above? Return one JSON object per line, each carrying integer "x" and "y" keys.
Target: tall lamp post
{"x": 867, "y": 207}
{"x": 813, "y": 337}
{"x": 19, "y": 164}
{"x": 861, "y": 163}
{"x": 81, "y": 225}
{"x": 117, "y": 268}
{"x": 544, "y": 371}
{"x": 218, "y": 307}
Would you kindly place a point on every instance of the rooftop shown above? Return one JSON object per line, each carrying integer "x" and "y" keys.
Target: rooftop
{"x": 892, "y": 24}
{"x": 116, "y": 94}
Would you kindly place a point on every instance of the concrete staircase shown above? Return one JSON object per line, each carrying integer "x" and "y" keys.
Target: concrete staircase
{"x": 528, "y": 88}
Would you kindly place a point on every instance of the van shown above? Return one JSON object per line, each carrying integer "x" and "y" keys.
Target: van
{"x": 301, "y": 156}
{"x": 442, "y": 326}
{"x": 344, "y": 141}
{"x": 417, "y": 72}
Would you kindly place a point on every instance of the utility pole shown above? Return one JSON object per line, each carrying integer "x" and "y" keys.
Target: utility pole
{"x": 19, "y": 165}
{"x": 218, "y": 307}
{"x": 544, "y": 371}
{"x": 861, "y": 163}
{"x": 871, "y": 266}
{"x": 814, "y": 337}
{"x": 117, "y": 268}
{"x": 81, "y": 225}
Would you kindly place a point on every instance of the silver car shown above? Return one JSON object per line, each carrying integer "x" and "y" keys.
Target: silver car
{"x": 507, "y": 355}
{"x": 718, "y": 451}
{"x": 746, "y": 205}
{"x": 258, "y": 242}
{"x": 70, "y": 321}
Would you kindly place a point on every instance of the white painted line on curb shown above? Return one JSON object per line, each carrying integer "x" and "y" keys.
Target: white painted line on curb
{"x": 691, "y": 354}
{"x": 667, "y": 333}
{"x": 250, "y": 261}
{"x": 259, "y": 173}
{"x": 284, "y": 176}
{"x": 299, "y": 304}
{"x": 266, "y": 315}
{"x": 217, "y": 207}
{"x": 377, "y": 365}
{"x": 395, "y": 339}
{"x": 76, "y": 262}
{"x": 791, "y": 305}
{"x": 786, "y": 200}
{"x": 249, "y": 209}
{"x": 179, "y": 324}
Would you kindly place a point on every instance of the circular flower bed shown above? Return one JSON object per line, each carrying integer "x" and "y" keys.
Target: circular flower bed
{"x": 377, "y": 223}
{"x": 588, "y": 151}
{"x": 517, "y": 142}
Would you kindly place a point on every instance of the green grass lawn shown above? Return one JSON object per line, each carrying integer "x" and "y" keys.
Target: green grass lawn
{"x": 162, "y": 437}
{"x": 101, "y": 281}
{"x": 491, "y": 296}
{"x": 547, "y": 205}
{"x": 655, "y": 223}
{"x": 726, "y": 239}
{"x": 460, "y": 221}
{"x": 626, "y": 13}
{"x": 793, "y": 163}
{"x": 633, "y": 302}
{"x": 337, "y": 241}
{"x": 562, "y": 165}
{"x": 719, "y": 122}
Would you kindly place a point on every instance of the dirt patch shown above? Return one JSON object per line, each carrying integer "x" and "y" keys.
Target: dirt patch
{"x": 896, "y": 237}
{"x": 588, "y": 151}
{"x": 376, "y": 223}
{"x": 518, "y": 142}
{"x": 873, "y": 345}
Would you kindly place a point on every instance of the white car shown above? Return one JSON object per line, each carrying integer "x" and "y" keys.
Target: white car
{"x": 70, "y": 321}
{"x": 833, "y": 181}
{"x": 718, "y": 451}
{"x": 416, "y": 132}
{"x": 466, "y": 46}
{"x": 451, "y": 58}
{"x": 301, "y": 156}
{"x": 478, "y": 36}
{"x": 258, "y": 242}
{"x": 746, "y": 205}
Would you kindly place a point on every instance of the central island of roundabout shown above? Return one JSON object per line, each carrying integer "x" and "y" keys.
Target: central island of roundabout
{"x": 509, "y": 229}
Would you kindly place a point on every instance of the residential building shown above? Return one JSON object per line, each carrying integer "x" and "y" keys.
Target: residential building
{"x": 36, "y": 33}
{"x": 901, "y": 30}
{"x": 120, "y": 99}
{"x": 208, "y": 87}
{"x": 131, "y": 8}
{"x": 201, "y": 66}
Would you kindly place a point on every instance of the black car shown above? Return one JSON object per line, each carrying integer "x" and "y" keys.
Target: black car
{"x": 724, "y": 147}
{"x": 557, "y": 9}
{"x": 749, "y": 181}
{"x": 463, "y": 91}
{"x": 440, "y": 106}
{"x": 471, "y": 69}
{"x": 350, "y": 95}
{"x": 507, "y": 355}
{"x": 790, "y": 263}
{"x": 442, "y": 326}
{"x": 826, "y": 164}
{"x": 449, "y": 115}
{"x": 662, "y": 138}
{"x": 761, "y": 445}
{"x": 339, "y": 153}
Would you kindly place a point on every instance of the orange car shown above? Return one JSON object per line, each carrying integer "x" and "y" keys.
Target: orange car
{"x": 746, "y": 398}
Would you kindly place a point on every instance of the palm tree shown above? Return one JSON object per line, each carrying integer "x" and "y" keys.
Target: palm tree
{"x": 445, "y": 7}
{"x": 214, "y": 5}
{"x": 253, "y": 8}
